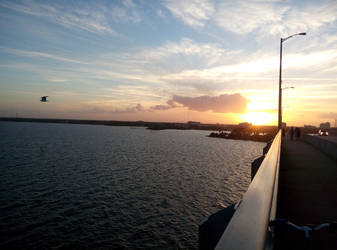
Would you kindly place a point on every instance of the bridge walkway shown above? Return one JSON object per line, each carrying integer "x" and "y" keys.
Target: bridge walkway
{"x": 307, "y": 194}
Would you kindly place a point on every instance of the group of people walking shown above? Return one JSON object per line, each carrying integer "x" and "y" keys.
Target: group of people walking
{"x": 295, "y": 132}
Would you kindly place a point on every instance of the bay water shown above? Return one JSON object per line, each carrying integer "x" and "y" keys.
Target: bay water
{"x": 103, "y": 187}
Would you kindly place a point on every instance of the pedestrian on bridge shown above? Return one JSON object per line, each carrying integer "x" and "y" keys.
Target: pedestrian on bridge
{"x": 297, "y": 133}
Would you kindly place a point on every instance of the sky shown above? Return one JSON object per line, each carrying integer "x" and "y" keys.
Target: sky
{"x": 174, "y": 61}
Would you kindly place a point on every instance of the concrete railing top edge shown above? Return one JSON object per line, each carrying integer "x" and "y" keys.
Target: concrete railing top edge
{"x": 249, "y": 224}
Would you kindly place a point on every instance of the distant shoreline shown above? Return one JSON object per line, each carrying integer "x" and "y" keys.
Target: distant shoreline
{"x": 261, "y": 133}
{"x": 148, "y": 125}
{"x": 246, "y": 137}
{"x": 161, "y": 125}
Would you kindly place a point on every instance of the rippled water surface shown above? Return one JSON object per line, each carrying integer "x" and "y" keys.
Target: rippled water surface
{"x": 86, "y": 186}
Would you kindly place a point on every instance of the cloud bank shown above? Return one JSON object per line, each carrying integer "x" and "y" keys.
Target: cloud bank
{"x": 226, "y": 103}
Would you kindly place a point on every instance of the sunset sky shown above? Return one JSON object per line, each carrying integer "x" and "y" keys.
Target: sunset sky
{"x": 200, "y": 60}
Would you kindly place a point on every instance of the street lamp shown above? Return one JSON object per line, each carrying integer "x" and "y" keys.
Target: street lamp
{"x": 280, "y": 79}
{"x": 288, "y": 88}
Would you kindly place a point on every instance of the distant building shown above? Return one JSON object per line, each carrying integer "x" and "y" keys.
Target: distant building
{"x": 193, "y": 123}
{"x": 309, "y": 126}
{"x": 324, "y": 125}
{"x": 284, "y": 125}
{"x": 244, "y": 124}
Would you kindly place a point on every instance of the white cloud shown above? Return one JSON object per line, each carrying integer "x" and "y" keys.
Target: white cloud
{"x": 242, "y": 17}
{"x": 191, "y": 12}
{"x": 258, "y": 71}
{"x": 186, "y": 47}
{"x": 206, "y": 68}
{"x": 311, "y": 17}
{"x": 173, "y": 57}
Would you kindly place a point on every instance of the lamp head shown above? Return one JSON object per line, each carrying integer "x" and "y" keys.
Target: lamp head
{"x": 302, "y": 34}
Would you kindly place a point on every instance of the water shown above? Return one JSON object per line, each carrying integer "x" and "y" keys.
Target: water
{"x": 86, "y": 186}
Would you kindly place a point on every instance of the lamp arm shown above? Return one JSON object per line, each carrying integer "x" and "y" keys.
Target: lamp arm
{"x": 285, "y": 39}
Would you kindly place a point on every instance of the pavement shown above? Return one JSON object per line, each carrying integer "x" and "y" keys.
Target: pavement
{"x": 307, "y": 195}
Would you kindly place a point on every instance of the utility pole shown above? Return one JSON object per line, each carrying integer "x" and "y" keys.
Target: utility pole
{"x": 280, "y": 79}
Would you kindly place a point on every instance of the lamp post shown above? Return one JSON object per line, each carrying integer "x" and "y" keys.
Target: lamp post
{"x": 288, "y": 88}
{"x": 280, "y": 79}
{"x": 291, "y": 87}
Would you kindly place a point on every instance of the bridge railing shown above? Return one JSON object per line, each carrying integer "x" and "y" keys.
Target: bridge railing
{"x": 248, "y": 228}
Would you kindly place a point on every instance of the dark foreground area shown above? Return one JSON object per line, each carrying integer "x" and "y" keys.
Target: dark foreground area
{"x": 307, "y": 195}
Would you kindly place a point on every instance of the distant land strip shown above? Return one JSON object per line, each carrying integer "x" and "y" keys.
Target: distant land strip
{"x": 149, "y": 125}
{"x": 225, "y": 131}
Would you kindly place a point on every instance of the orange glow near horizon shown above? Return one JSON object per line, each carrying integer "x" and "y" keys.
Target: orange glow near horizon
{"x": 260, "y": 111}
{"x": 259, "y": 118}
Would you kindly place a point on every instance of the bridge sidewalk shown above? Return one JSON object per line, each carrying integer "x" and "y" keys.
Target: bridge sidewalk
{"x": 307, "y": 193}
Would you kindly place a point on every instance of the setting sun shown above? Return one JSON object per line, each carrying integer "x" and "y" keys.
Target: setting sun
{"x": 259, "y": 118}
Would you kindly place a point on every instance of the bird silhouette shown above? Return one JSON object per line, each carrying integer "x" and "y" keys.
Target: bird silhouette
{"x": 43, "y": 99}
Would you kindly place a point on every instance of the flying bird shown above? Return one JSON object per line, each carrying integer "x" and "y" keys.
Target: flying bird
{"x": 43, "y": 99}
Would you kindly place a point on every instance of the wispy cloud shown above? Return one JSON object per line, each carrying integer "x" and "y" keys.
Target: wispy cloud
{"x": 186, "y": 47}
{"x": 242, "y": 17}
{"x": 192, "y": 12}
{"x": 27, "y": 53}
{"x": 274, "y": 17}
{"x": 171, "y": 57}
{"x": 57, "y": 80}
{"x": 127, "y": 12}
{"x": 311, "y": 17}
{"x": 259, "y": 67}
{"x": 84, "y": 17}
{"x": 206, "y": 68}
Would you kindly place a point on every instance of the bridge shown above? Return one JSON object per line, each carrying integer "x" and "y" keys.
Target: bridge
{"x": 291, "y": 202}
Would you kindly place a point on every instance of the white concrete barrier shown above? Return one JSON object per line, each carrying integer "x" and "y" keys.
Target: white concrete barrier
{"x": 248, "y": 228}
{"x": 323, "y": 144}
